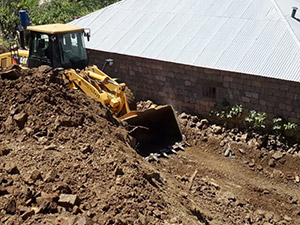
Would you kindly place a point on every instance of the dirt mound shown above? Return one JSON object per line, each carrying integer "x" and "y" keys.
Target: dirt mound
{"x": 65, "y": 159}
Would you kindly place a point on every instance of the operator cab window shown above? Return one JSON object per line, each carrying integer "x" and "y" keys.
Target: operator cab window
{"x": 72, "y": 48}
{"x": 40, "y": 45}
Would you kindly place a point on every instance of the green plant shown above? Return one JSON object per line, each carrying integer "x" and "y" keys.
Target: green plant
{"x": 228, "y": 112}
{"x": 256, "y": 120}
{"x": 282, "y": 127}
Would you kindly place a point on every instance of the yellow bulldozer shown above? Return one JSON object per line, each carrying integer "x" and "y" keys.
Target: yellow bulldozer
{"x": 62, "y": 46}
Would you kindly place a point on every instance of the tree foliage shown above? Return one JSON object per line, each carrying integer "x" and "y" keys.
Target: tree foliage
{"x": 50, "y": 11}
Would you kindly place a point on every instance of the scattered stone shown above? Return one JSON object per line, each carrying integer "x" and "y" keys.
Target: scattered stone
{"x": 242, "y": 151}
{"x": 203, "y": 124}
{"x": 278, "y": 155}
{"x": 216, "y": 129}
{"x": 10, "y": 206}
{"x": 287, "y": 218}
{"x": 222, "y": 143}
{"x": 119, "y": 172}
{"x": 51, "y": 147}
{"x": 36, "y": 175}
{"x": 297, "y": 179}
{"x": 68, "y": 200}
{"x": 183, "y": 116}
{"x": 11, "y": 168}
{"x": 272, "y": 162}
{"x": 28, "y": 213}
{"x": 50, "y": 176}
{"x": 4, "y": 151}
{"x": 3, "y": 190}
{"x": 259, "y": 168}
{"x": 86, "y": 148}
{"x": 63, "y": 188}
{"x": 205, "y": 139}
{"x": 228, "y": 195}
{"x": 228, "y": 152}
{"x": 20, "y": 119}
{"x": 252, "y": 163}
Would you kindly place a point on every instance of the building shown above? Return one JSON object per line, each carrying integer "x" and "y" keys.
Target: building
{"x": 194, "y": 53}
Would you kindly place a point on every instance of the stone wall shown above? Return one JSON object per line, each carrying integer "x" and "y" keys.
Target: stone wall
{"x": 196, "y": 90}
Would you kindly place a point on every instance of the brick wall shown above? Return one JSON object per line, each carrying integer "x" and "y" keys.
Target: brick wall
{"x": 195, "y": 89}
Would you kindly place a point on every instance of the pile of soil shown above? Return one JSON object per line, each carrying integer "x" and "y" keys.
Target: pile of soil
{"x": 65, "y": 159}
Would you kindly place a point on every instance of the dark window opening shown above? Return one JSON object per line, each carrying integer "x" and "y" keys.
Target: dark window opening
{"x": 209, "y": 92}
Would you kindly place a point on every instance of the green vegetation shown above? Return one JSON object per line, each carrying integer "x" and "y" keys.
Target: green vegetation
{"x": 54, "y": 11}
{"x": 256, "y": 120}
{"x": 283, "y": 128}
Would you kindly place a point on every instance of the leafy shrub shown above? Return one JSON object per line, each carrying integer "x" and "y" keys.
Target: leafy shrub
{"x": 229, "y": 112}
{"x": 282, "y": 128}
{"x": 256, "y": 120}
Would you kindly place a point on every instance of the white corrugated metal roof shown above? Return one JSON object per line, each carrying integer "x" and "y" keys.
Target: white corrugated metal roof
{"x": 249, "y": 36}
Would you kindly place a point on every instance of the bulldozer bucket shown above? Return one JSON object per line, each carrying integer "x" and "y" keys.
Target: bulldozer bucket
{"x": 154, "y": 127}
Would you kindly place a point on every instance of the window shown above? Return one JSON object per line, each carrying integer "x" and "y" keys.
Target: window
{"x": 72, "y": 47}
{"x": 40, "y": 45}
{"x": 209, "y": 92}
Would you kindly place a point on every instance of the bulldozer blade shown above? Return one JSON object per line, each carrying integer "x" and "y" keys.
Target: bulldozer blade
{"x": 154, "y": 127}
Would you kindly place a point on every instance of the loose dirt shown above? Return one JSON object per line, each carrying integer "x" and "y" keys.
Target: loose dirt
{"x": 65, "y": 159}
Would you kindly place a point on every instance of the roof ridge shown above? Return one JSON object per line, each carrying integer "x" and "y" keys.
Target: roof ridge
{"x": 286, "y": 22}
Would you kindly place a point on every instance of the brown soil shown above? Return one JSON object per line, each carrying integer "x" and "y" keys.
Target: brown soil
{"x": 65, "y": 159}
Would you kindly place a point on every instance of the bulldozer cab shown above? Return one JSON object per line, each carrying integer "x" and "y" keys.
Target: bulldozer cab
{"x": 57, "y": 45}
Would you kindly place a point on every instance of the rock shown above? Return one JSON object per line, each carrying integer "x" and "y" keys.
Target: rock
{"x": 244, "y": 137}
{"x": 4, "y": 151}
{"x": 28, "y": 130}
{"x": 51, "y": 147}
{"x": 10, "y": 206}
{"x": 68, "y": 200}
{"x": 216, "y": 129}
{"x": 36, "y": 175}
{"x": 287, "y": 218}
{"x": 46, "y": 203}
{"x": 194, "y": 119}
{"x": 3, "y": 190}
{"x": 222, "y": 143}
{"x": 28, "y": 213}
{"x": 297, "y": 179}
{"x": 119, "y": 172}
{"x": 242, "y": 151}
{"x": 63, "y": 189}
{"x": 228, "y": 152}
{"x": 50, "y": 176}
{"x": 203, "y": 124}
{"x": 20, "y": 119}
{"x": 228, "y": 195}
{"x": 86, "y": 148}
{"x": 183, "y": 116}
{"x": 252, "y": 163}
{"x": 259, "y": 168}
{"x": 278, "y": 155}
{"x": 205, "y": 139}
{"x": 272, "y": 162}
{"x": 11, "y": 168}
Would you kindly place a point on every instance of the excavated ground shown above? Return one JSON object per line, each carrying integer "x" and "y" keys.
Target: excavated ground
{"x": 64, "y": 159}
